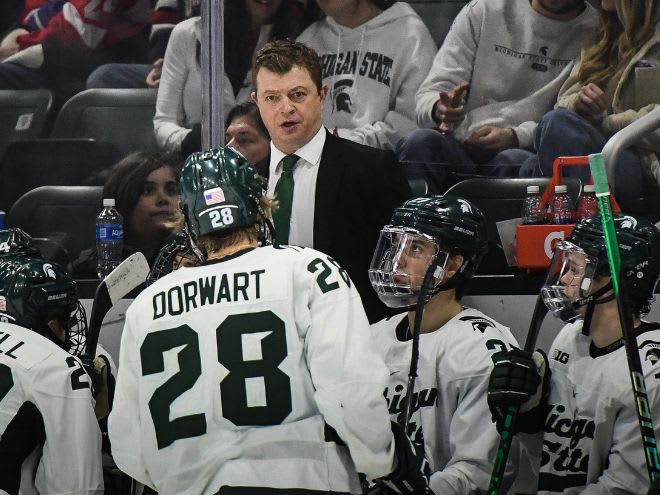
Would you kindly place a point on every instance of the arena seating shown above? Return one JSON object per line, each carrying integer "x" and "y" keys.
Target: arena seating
{"x": 121, "y": 117}
{"x": 61, "y": 217}
{"x": 24, "y": 114}
{"x": 40, "y": 162}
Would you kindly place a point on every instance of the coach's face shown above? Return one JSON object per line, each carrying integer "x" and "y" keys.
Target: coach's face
{"x": 290, "y": 106}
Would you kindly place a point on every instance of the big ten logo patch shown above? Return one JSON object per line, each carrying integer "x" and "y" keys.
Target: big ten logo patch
{"x": 551, "y": 241}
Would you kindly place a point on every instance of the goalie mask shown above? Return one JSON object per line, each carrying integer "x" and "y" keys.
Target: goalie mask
{"x": 424, "y": 233}
{"x": 578, "y": 263}
{"x": 220, "y": 191}
{"x": 33, "y": 291}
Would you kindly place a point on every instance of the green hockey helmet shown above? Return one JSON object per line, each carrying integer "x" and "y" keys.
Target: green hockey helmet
{"x": 422, "y": 233}
{"x": 219, "y": 191}
{"x": 583, "y": 257}
{"x": 15, "y": 242}
{"x": 34, "y": 291}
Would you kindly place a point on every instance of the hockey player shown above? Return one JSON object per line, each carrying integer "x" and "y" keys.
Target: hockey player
{"x": 446, "y": 237}
{"x": 583, "y": 400}
{"x": 49, "y": 436}
{"x": 252, "y": 373}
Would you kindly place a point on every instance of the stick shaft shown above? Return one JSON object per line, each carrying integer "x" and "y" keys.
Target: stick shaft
{"x": 508, "y": 427}
{"x": 647, "y": 431}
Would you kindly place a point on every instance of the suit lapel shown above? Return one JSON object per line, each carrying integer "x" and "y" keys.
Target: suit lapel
{"x": 328, "y": 182}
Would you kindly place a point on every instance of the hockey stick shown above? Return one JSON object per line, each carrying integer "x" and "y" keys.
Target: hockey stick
{"x": 506, "y": 435}
{"x": 127, "y": 276}
{"x": 414, "y": 357}
{"x": 597, "y": 164}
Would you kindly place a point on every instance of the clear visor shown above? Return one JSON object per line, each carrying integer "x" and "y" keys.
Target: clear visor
{"x": 400, "y": 262}
{"x": 568, "y": 280}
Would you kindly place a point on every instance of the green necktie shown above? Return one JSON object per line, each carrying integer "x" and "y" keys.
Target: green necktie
{"x": 284, "y": 195}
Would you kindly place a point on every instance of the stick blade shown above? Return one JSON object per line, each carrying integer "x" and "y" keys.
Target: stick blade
{"x": 127, "y": 276}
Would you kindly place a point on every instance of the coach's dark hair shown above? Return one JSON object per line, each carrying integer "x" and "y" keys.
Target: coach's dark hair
{"x": 126, "y": 181}
{"x": 280, "y": 56}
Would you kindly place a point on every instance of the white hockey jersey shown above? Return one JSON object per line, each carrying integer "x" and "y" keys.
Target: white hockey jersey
{"x": 450, "y": 411}
{"x": 231, "y": 373}
{"x": 592, "y": 443}
{"x": 50, "y": 442}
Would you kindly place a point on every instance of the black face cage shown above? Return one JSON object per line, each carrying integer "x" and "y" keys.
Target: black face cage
{"x": 172, "y": 255}
{"x": 76, "y": 334}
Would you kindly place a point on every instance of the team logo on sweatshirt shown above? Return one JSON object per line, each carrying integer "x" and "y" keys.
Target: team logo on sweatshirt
{"x": 341, "y": 96}
{"x": 541, "y": 62}
{"x": 372, "y": 65}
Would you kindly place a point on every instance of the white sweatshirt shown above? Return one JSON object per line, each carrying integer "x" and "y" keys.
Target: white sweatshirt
{"x": 373, "y": 72}
{"x": 515, "y": 59}
{"x": 179, "y": 103}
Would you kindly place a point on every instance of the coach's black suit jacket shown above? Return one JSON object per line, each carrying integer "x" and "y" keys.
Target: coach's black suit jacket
{"x": 357, "y": 188}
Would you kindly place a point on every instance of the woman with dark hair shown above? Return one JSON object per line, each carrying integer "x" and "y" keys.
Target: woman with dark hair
{"x": 249, "y": 25}
{"x": 614, "y": 83}
{"x": 145, "y": 187}
{"x": 246, "y": 133}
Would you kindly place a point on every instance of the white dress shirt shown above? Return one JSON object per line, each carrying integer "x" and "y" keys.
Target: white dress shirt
{"x": 301, "y": 231}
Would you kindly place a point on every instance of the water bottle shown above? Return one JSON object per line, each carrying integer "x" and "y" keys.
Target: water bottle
{"x": 533, "y": 212}
{"x": 561, "y": 210}
{"x": 588, "y": 204}
{"x": 109, "y": 238}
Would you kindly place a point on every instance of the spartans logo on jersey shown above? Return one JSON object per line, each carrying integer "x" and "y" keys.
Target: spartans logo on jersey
{"x": 341, "y": 96}
{"x": 478, "y": 323}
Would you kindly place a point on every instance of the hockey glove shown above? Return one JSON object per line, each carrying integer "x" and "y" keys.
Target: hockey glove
{"x": 519, "y": 379}
{"x": 412, "y": 472}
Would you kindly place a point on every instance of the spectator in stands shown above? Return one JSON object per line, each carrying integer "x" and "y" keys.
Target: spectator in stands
{"x": 246, "y": 133}
{"x": 249, "y": 25}
{"x": 375, "y": 54}
{"x": 615, "y": 82}
{"x": 65, "y": 41}
{"x": 166, "y": 14}
{"x": 145, "y": 187}
{"x": 513, "y": 75}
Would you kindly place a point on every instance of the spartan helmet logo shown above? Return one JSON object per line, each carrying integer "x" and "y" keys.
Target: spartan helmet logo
{"x": 652, "y": 355}
{"x": 48, "y": 270}
{"x": 341, "y": 95}
{"x": 465, "y": 206}
{"x": 628, "y": 223}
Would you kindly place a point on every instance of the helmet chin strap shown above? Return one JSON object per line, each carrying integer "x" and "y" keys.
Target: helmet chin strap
{"x": 591, "y": 301}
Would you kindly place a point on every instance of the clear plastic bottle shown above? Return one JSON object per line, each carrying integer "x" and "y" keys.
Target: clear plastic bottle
{"x": 109, "y": 238}
{"x": 533, "y": 212}
{"x": 588, "y": 203}
{"x": 561, "y": 209}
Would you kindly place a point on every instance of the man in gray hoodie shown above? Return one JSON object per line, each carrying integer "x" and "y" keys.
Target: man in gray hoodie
{"x": 374, "y": 54}
{"x": 497, "y": 73}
